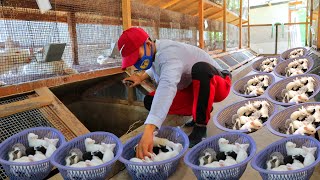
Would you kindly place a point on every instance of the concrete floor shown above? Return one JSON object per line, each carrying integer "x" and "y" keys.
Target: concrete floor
{"x": 262, "y": 137}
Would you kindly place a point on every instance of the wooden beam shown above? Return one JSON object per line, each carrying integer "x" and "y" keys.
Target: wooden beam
{"x": 72, "y": 27}
{"x": 63, "y": 113}
{"x": 205, "y": 11}
{"x": 126, "y": 14}
{"x": 220, "y": 12}
{"x": 311, "y": 22}
{"x": 170, "y": 3}
{"x": 289, "y": 24}
{"x": 224, "y": 26}
{"x": 193, "y": 6}
{"x": 213, "y": 4}
{"x": 98, "y": 7}
{"x": 57, "y": 122}
{"x": 240, "y": 25}
{"x": 24, "y": 105}
{"x": 232, "y": 21}
{"x": 56, "y": 81}
{"x": 201, "y": 24}
{"x": 183, "y": 5}
{"x": 31, "y": 15}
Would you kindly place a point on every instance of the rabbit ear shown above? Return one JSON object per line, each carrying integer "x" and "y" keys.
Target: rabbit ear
{"x": 111, "y": 146}
{"x": 245, "y": 146}
{"x": 313, "y": 150}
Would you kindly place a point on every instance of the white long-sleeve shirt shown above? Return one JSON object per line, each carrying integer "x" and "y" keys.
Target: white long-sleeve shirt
{"x": 171, "y": 70}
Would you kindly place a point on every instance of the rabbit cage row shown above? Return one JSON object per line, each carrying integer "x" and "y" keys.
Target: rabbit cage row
{"x": 85, "y": 36}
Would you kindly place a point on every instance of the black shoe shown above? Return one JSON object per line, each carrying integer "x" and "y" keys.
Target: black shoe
{"x": 198, "y": 133}
{"x": 190, "y": 123}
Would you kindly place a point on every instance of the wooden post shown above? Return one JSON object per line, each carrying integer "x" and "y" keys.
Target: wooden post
{"x": 311, "y": 22}
{"x": 248, "y": 23}
{"x": 276, "y": 39}
{"x": 72, "y": 28}
{"x": 240, "y": 26}
{"x": 201, "y": 26}
{"x": 126, "y": 14}
{"x": 126, "y": 24}
{"x": 224, "y": 25}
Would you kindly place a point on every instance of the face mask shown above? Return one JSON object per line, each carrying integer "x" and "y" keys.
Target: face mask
{"x": 146, "y": 61}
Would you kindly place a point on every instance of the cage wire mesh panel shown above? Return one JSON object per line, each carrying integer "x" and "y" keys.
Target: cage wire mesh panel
{"x": 213, "y": 36}
{"x": 89, "y": 29}
{"x": 98, "y": 27}
{"x": 24, "y": 33}
{"x": 244, "y": 36}
{"x": 15, "y": 123}
{"x": 245, "y": 9}
{"x": 234, "y": 6}
{"x": 232, "y": 36}
{"x": 178, "y": 27}
{"x": 150, "y": 22}
{"x": 315, "y": 25}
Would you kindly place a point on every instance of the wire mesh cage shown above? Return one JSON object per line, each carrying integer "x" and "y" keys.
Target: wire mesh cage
{"x": 150, "y": 22}
{"x": 16, "y": 123}
{"x": 245, "y": 9}
{"x": 213, "y": 35}
{"x": 232, "y": 36}
{"x": 178, "y": 27}
{"x": 245, "y": 37}
{"x": 234, "y": 6}
{"x": 69, "y": 38}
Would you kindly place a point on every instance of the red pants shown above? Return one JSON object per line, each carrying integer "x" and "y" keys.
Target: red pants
{"x": 197, "y": 99}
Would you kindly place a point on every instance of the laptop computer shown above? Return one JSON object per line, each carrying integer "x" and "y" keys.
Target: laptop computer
{"x": 53, "y": 52}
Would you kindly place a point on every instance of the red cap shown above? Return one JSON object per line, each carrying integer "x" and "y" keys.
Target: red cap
{"x": 129, "y": 44}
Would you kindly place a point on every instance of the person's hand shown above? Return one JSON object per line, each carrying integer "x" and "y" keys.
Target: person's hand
{"x": 136, "y": 80}
{"x": 145, "y": 145}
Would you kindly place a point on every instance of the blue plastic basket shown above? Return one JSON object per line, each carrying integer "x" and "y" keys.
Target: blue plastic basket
{"x": 259, "y": 161}
{"x": 279, "y": 119}
{"x": 31, "y": 170}
{"x": 155, "y": 170}
{"x": 284, "y": 55}
{"x": 94, "y": 172}
{"x": 280, "y": 68}
{"x": 238, "y": 86}
{"x": 233, "y": 172}
{"x": 275, "y": 89}
{"x": 225, "y": 115}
